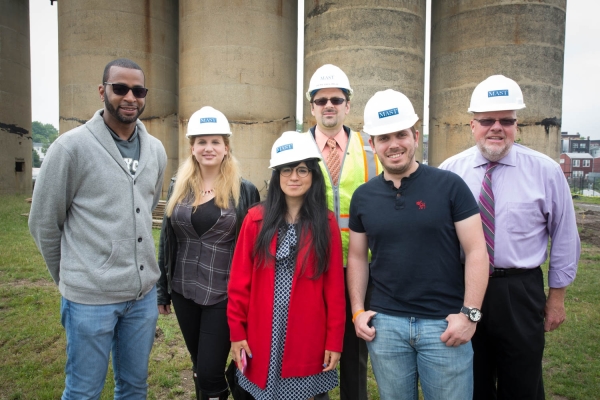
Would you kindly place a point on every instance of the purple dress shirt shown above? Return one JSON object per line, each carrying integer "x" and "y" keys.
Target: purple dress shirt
{"x": 532, "y": 203}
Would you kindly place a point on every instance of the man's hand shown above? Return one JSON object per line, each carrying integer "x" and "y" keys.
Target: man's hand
{"x": 164, "y": 309}
{"x": 554, "y": 312}
{"x": 460, "y": 330}
{"x": 363, "y": 330}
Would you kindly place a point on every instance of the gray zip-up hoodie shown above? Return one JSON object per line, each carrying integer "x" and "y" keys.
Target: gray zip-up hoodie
{"x": 92, "y": 220}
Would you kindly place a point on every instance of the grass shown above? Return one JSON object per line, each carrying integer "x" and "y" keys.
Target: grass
{"x": 586, "y": 199}
{"x": 32, "y": 343}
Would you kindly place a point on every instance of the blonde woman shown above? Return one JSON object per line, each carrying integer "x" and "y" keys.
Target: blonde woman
{"x": 206, "y": 204}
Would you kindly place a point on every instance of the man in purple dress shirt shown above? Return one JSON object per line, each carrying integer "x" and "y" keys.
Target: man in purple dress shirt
{"x": 532, "y": 204}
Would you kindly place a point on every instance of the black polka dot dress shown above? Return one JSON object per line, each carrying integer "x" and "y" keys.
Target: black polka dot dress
{"x": 297, "y": 388}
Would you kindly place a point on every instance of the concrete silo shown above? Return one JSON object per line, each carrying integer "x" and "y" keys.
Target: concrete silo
{"x": 92, "y": 33}
{"x": 15, "y": 98}
{"x": 473, "y": 39}
{"x": 378, "y": 44}
{"x": 240, "y": 58}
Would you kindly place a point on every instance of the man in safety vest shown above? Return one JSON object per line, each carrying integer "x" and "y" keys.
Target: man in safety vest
{"x": 348, "y": 162}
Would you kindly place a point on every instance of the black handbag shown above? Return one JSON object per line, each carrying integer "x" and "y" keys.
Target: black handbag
{"x": 236, "y": 390}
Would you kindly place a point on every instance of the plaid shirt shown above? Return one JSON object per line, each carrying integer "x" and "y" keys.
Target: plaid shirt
{"x": 202, "y": 268}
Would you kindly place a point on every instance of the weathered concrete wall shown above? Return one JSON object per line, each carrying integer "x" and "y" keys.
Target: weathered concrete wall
{"x": 378, "y": 44}
{"x": 94, "y": 32}
{"x": 473, "y": 39}
{"x": 15, "y": 98}
{"x": 240, "y": 58}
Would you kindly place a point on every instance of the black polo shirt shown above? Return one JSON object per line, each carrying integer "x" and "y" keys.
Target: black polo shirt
{"x": 416, "y": 269}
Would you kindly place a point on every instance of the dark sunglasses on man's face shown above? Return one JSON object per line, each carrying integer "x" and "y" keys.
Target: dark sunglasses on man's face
{"x": 336, "y": 101}
{"x": 121, "y": 90}
{"x": 491, "y": 121}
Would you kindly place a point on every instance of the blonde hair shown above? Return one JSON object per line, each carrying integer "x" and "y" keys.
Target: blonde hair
{"x": 189, "y": 181}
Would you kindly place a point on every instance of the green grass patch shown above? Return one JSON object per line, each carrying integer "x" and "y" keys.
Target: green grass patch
{"x": 586, "y": 199}
{"x": 32, "y": 342}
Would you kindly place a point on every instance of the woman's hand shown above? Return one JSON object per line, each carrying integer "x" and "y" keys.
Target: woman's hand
{"x": 164, "y": 309}
{"x": 236, "y": 349}
{"x": 331, "y": 360}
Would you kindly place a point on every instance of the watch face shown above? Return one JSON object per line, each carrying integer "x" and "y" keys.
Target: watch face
{"x": 474, "y": 315}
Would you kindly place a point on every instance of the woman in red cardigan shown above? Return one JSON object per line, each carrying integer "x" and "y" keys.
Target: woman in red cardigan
{"x": 286, "y": 307}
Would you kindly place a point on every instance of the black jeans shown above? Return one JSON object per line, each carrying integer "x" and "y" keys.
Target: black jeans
{"x": 206, "y": 334}
{"x": 508, "y": 344}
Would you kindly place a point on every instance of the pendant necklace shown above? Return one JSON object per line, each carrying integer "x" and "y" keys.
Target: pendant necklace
{"x": 207, "y": 192}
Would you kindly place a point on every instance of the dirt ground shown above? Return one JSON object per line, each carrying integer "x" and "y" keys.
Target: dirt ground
{"x": 588, "y": 220}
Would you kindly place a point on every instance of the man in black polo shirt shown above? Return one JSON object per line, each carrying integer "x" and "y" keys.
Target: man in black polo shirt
{"x": 425, "y": 302}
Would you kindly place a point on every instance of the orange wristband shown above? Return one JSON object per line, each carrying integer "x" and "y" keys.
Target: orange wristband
{"x": 356, "y": 314}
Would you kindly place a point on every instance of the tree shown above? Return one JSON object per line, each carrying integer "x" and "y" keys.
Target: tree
{"x": 44, "y": 134}
{"x": 36, "y": 159}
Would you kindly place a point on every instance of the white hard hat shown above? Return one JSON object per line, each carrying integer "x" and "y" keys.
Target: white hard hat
{"x": 293, "y": 147}
{"x": 388, "y": 111}
{"x": 208, "y": 121}
{"x": 329, "y": 76}
{"x": 496, "y": 93}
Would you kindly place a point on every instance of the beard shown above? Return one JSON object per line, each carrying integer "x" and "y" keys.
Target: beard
{"x": 402, "y": 168}
{"x": 121, "y": 118}
{"x": 494, "y": 153}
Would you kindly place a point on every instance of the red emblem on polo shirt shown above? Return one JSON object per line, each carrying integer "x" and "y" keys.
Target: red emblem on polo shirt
{"x": 421, "y": 204}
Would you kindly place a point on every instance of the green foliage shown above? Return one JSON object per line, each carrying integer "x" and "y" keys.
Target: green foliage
{"x": 36, "y": 159}
{"x": 43, "y": 133}
{"x": 586, "y": 199}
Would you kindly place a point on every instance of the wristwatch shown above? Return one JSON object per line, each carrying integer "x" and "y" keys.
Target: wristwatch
{"x": 474, "y": 314}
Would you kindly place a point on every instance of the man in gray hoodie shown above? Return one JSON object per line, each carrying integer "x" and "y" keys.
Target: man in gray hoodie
{"x": 91, "y": 218}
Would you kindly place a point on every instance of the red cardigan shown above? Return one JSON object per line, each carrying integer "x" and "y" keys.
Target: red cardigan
{"x": 316, "y": 314}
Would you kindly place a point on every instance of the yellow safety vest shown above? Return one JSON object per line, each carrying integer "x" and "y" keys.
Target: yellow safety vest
{"x": 359, "y": 164}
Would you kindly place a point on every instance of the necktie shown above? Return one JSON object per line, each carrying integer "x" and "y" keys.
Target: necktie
{"x": 486, "y": 209}
{"x": 333, "y": 161}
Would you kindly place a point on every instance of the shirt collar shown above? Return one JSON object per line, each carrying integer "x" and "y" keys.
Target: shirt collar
{"x": 321, "y": 139}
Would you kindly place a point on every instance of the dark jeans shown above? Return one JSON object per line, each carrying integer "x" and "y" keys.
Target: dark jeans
{"x": 353, "y": 364}
{"x": 509, "y": 342}
{"x": 206, "y": 334}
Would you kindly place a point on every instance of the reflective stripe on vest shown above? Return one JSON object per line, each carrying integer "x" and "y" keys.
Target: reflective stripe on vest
{"x": 359, "y": 164}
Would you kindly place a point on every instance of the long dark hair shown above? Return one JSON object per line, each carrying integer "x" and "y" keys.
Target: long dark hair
{"x": 311, "y": 219}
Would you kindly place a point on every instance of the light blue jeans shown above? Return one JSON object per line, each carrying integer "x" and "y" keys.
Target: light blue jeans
{"x": 92, "y": 331}
{"x": 408, "y": 349}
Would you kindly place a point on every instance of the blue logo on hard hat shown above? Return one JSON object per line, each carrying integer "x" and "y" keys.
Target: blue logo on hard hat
{"x": 208, "y": 120}
{"x": 497, "y": 93}
{"x": 388, "y": 113}
{"x": 284, "y": 148}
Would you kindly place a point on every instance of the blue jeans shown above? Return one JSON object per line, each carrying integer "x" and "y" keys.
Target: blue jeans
{"x": 408, "y": 349}
{"x": 92, "y": 331}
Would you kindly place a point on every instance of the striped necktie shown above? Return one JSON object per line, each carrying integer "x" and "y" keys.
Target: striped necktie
{"x": 333, "y": 161}
{"x": 486, "y": 209}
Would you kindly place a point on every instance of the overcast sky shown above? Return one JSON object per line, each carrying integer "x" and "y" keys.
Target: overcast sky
{"x": 581, "y": 86}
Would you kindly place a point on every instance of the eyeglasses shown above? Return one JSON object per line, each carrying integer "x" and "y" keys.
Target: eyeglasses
{"x": 301, "y": 171}
{"x": 336, "y": 101}
{"x": 121, "y": 90}
{"x": 492, "y": 121}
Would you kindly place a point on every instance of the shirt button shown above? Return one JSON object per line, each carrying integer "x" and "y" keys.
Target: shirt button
{"x": 137, "y": 210}
{"x": 141, "y": 267}
{"x": 139, "y": 239}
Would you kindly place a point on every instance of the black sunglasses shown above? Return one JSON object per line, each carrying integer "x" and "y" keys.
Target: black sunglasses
{"x": 491, "y": 121}
{"x": 336, "y": 101}
{"x": 121, "y": 90}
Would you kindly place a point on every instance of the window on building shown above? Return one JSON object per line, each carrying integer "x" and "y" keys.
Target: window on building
{"x": 576, "y": 163}
{"x": 586, "y": 163}
{"x": 575, "y": 145}
{"x": 577, "y": 174}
